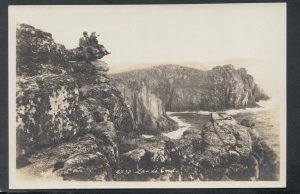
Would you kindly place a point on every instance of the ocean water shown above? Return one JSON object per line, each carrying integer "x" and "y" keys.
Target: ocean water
{"x": 266, "y": 119}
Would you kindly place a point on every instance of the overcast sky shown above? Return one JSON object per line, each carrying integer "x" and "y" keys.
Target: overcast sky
{"x": 201, "y": 36}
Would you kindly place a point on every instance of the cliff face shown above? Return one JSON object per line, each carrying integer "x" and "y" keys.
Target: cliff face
{"x": 186, "y": 89}
{"x": 47, "y": 96}
{"x": 47, "y": 110}
{"x": 66, "y": 109}
{"x": 99, "y": 101}
{"x": 148, "y": 110}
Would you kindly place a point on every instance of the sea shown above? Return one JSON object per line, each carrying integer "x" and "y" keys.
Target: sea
{"x": 266, "y": 118}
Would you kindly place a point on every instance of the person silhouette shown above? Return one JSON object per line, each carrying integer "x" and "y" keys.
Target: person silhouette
{"x": 95, "y": 43}
{"x": 84, "y": 43}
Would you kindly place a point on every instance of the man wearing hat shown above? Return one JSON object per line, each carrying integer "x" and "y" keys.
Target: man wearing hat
{"x": 84, "y": 43}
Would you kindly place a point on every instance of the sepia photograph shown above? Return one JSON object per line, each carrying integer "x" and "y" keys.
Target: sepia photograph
{"x": 147, "y": 96}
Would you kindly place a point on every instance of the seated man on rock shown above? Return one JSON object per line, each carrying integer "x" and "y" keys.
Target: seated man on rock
{"x": 84, "y": 43}
{"x": 88, "y": 49}
{"x": 94, "y": 43}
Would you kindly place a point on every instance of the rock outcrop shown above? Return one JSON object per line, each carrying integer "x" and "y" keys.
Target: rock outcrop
{"x": 223, "y": 150}
{"x": 99, "y": 101}
{"x": 77, "y": 54}
{"x": 47, "y": 110}
{"x": 226, "y": 150}
{"x": 83, "y": 158}
{"x": 148, "y": 110}
{"x": 187, "y": 89}
{"x": 47, "y": 96}
{"x": 37, "y": 53}
{"x": 149, "y": 159}
{"x": 69, "y": 118}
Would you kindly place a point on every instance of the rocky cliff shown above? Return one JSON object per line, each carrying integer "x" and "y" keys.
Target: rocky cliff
{"x": 148, "y": 110}
{"x": 68, "y": 115}
{"x": 187, "y": 89}
{"x": 72, "y": 124}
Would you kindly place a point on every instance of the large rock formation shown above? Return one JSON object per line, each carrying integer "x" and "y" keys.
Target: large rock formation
{"x": 99, "y": 101}
{"x": 47, "y": 110}
{"x": 83, "y": 158}
{"x": 68, "y": 115}
{"x": 148, "y": 110}
{"x": 187, "y": 89}
{"x": 225, "y": 150}
{"x": 38, "y": 54}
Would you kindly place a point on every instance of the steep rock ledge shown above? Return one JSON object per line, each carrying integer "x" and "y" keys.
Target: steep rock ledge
{"x": 69, "y": 118}
{"x": 188, "y": 89}
{"x": 148, "y": 110}
{"x": 99, "y": 101}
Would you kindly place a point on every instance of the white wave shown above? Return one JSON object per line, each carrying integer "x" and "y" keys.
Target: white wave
{"x": 264, "y": 105}
{"x": 147, "y": 136}
{"x": 179, "y": 132}
{"x": 168, "y": 113}
{"x": 202, "y": 112}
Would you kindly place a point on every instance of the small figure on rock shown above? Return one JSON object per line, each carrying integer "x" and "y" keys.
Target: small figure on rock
{"x": 89, "y": 49}
{"x": 94, "y": 43}
{"x": 84, "y": 44}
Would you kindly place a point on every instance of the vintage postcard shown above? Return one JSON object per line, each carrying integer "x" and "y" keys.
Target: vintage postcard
{"x": 147, "y": 96}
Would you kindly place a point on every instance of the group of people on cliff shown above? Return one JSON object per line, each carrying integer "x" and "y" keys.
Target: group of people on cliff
{"x": 91, "y": 44}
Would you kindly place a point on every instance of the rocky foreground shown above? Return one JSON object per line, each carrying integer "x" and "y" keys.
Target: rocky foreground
{"x": 74, "y": 125}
